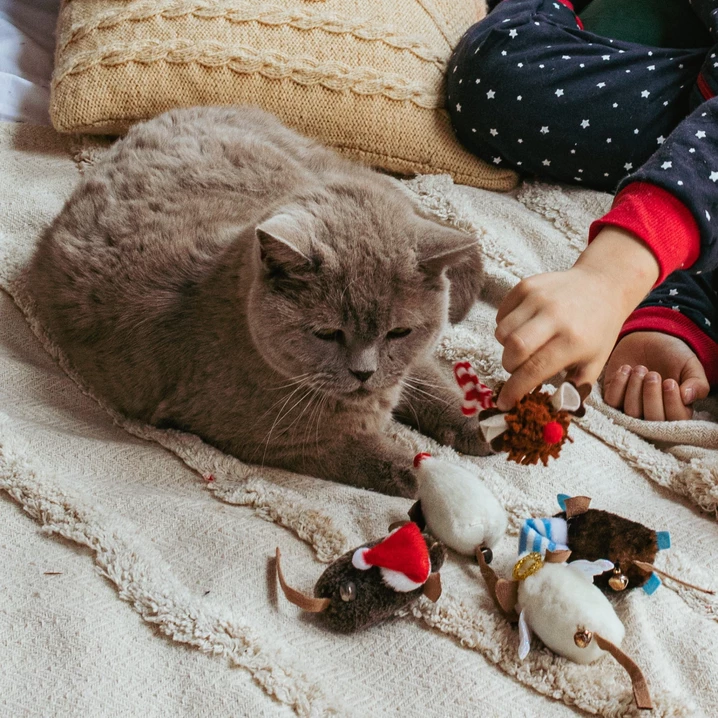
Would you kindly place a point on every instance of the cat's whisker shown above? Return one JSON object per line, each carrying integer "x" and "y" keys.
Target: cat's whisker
{"x": 294, "y": 380}
{"x": 411, "y": 406}
{"x": 323, "y": 397}
{"x": 422, "y": 382}
{"x": 302, "y": 384}
{"x": 413, "y": 387}
{"x": 281, "y": 414}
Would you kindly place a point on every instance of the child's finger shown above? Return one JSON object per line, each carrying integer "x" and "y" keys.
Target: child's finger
{"x": 614, "y": 388}
{"x": 673, "y": 404}
{"x": 520, "y": 346}
{"x": 542, "y": 364}
{"x": 694, "y": 383}
{"x": 653, "y": 397}
{"x": 512, "y": 300}
{"x": 513, "y": 321}
{"x": 633, "y": 401}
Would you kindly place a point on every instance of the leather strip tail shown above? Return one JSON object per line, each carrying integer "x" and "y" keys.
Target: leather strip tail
{"x": 503, "y": 592}
{"x": 640, "y": 687}
{"x": 650, "y": 567}
{"x": 306, "y": 603}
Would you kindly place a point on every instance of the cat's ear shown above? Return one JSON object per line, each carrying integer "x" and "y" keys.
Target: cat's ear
{"x": 443, "y": 248}
{"x": 285, "y": 246}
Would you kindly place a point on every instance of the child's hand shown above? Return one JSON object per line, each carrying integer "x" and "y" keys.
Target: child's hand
{"x": 570, "y": 320}
{"x": 654, "y": 376}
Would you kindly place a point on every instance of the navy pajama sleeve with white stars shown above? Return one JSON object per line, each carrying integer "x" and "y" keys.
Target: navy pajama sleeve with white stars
{"x": 529, "y": 88}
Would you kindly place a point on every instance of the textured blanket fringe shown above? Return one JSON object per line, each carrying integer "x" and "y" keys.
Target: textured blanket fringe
{"x": 273, "y": 15}
{"x": 661, "y": 467}
{"x": 286, "y": 508}
{"x": 152, "y": 591}
{"x": 600, "y": 690}
{"x": 247, "y": 60}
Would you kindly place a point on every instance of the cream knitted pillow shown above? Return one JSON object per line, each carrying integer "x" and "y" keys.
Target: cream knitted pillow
{"x": 363, "y": 76}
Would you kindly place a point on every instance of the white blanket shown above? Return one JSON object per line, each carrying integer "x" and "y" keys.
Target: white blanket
{"x": 132, "y": 586}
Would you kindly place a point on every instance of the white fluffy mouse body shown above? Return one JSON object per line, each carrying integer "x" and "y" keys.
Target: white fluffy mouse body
{"x": 559, "y": 601}
{"x": 457, "y": 506}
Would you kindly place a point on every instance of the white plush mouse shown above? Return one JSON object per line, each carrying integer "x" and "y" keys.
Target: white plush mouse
{"x": 457, "y": 507}
{"x": 560, "y": 604}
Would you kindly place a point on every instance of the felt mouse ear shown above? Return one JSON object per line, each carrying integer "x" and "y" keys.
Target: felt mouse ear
{"x": 640, "y": 687}
{"x": 306, "y": 603}
{"x": 558, "y": 556}
{"x": 663, "y": 538}
{"x": 566, "y": 398}
{"x": 576, "y": 505}
{"x": 432, "y": 587}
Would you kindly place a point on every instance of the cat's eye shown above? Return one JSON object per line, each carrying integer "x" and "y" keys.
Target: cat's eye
{"x": 348, "y": 591}
{"x": 398, "y": 333}
{"x": 329, "y": 335}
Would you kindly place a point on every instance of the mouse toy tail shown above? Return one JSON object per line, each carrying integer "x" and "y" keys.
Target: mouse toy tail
{"x": 306, "y": 603}
{"x": 650, "y": 567}
{"x": 503, "y": 592}
{"x": 640, "y": 687}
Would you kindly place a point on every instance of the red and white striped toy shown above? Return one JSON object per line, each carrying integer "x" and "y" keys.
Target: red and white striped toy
{"x": 476, "y": 393}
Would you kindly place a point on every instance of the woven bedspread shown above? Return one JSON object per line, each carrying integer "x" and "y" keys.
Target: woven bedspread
{"x": 130, "y": 585}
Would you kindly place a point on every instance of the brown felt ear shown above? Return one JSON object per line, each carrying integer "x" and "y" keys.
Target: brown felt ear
{"x": 640, "y": 687}
{"x": 576, "y": 505}
{"x": 432, "y": 587}
{"x": 306, "y": 603}
{"x": 557, "y": 556}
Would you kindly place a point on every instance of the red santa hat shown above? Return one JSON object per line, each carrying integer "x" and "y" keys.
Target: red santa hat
{"x": 402, "y": 558}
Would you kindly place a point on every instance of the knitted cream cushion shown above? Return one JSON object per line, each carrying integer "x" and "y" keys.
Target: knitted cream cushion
{"x": 365, "y": 76}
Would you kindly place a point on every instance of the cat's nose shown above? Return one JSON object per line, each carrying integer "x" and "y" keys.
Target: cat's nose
{"x": 361, "y": 375}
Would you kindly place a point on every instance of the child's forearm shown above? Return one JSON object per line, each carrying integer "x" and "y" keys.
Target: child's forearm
{"x": 626, "y": 261}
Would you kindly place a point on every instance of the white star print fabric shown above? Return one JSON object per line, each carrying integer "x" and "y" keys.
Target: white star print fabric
{"x": 576, "y": 107}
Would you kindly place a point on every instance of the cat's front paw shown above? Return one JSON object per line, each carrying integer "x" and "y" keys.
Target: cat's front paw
{"x": 400, "y": 481}
{"x": 466, "y": 438}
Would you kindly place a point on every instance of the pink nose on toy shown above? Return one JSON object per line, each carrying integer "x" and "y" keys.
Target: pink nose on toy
{"x": 553, "y": 432}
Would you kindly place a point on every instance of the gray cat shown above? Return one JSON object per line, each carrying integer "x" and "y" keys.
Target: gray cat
{"x": 218, "y": 273}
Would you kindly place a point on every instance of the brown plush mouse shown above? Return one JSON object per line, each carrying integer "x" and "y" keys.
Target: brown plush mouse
{"x": 593, "y": 534}
{"x": 370, "y": 583}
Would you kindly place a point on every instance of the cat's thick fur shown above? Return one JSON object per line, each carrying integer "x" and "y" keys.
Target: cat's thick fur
{"x": 218, "y": 273}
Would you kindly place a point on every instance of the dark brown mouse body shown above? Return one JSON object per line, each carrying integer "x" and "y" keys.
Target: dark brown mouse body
{"x": 370, "y": 583}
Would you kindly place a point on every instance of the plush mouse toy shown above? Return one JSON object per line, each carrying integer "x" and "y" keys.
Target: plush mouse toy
{"x": 535, "y": 429}
{"x": 592, "y": 534}
{"x": 456, "y": 506}
{"x": 559, "y": 603}
{"x": 370, "y": 583}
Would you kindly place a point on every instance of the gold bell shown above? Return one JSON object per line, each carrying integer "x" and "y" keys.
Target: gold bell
{"x": 619, "y": 581}
{"x": 582, "y": 637}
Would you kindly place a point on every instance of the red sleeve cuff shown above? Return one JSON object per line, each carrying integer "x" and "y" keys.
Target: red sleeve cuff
{"x": 660, "y": 219}
{"x": 670, "y": 321}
